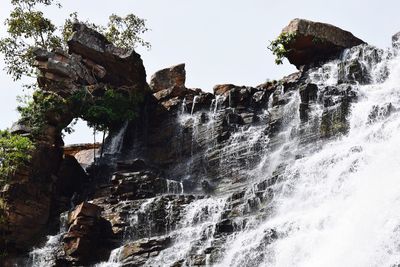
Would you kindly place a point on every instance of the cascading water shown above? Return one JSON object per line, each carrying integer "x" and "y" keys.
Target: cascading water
{"x": 45, "y": 256}
{"x": 337, "y": 206}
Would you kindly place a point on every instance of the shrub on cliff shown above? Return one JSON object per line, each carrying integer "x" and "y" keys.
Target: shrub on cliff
{"x": 279, "y": 46}
{"x": 41, "y": 108}
{"x": 111, "y": 109}
{"x": 14, "y": 152}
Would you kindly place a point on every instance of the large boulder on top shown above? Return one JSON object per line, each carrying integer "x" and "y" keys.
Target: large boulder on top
{"x": 312, "y": 42}
{"x": 174, "y": 76}
{"x": 121, "y": 67}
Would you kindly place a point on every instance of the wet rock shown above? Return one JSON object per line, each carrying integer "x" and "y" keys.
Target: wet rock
{"x": 396, "y": 41}
{"x": 380, "y": 112}
{"x": 138, "y": 252}
{"x": 137, "y": 185}
{"x": 174, "y": 76}
{"x": 225, "y": 226}
{"x": 314, "y": 41}
{"x": 352, "y": 72}
{"x": 308, "y": 93}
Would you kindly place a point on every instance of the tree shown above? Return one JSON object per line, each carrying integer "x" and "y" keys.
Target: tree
{"x": 28, "y": 28}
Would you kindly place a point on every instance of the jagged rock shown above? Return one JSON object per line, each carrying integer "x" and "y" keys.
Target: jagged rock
{"x": 137, "y": 185}
{"x": 85, "y": 209}
{"x": 314, "y": 41}
{"x": 87, "y": 239}
{"x": 174, "y": 76}
{"x": 222, "y": 89}
{"x": 308, "y": 93}
{"x": 138, "y": 252}
{"x": 121, "y": 67}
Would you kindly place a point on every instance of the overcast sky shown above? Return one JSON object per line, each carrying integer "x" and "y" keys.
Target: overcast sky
{"x": 221, "y": 41}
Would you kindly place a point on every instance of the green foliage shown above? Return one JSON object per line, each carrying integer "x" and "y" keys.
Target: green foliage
{"x": 123, "y": 32}
{"x": 27, "y": 28}
{"x": 280, "y": 46}
{"x": 35, "y": 111}
{"x": 14, "y": 152}
{"x": 107, "y": 111}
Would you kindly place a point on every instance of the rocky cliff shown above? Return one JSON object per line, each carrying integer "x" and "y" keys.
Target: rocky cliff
{"x": 191, "y": 170}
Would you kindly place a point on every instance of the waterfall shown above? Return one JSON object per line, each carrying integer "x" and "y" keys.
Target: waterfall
{"x": 45, "y": 256}
{"x": 117, "y": 140}
{"x": 339, "y": 205}
{"x": 321, "y": 191}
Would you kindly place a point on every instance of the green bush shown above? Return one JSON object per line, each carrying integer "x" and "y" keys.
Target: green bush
{"x": 36, "y": 109}
{"x": 14, "y": 152}
{"x": 106, "y": 111}
{"x": 280, "y": 46}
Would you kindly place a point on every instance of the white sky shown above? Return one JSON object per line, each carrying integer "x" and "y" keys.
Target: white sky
{"x": 221, "y": 41}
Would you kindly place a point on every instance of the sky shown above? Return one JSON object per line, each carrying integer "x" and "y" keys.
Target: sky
{"x": 221, "y": 41}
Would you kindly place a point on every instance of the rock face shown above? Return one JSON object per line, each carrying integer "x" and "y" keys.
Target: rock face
{"x": 194, "y": 168}
{"x": 315, "y": 41}
{"x": 37, "y": 194}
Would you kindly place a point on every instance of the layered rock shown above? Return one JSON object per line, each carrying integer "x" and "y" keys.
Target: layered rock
{"x": 88, "y": 235}
{"x": 314, "y": 41}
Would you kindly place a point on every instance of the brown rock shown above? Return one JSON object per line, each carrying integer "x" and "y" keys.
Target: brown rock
{"x": 84, "y": 209}
{"x": 221, "y": 89}
{"x": 315, "y": 41}
{"x": 116, "y": 66}
{"x": 174, "y": 76}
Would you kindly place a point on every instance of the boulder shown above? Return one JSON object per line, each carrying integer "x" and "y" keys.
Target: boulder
{"x": 116, "y": 66}
{"x": 88, "y": 238}
{"x": 138, "y": 252}
{"x": 174, "y": 76}
{"x": 222, "y": 89}
{"x": 314, "y": 42}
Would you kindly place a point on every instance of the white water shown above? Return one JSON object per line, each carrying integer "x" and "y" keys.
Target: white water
{"x": 45, "y": 256}
{"x": 115, "y": 145}
{"x": 339, "y": 206}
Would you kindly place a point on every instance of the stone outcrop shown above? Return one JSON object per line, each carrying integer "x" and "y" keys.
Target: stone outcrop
{"x": 314, "y": 41}
{"x": 88, "y": 234}
{"x": 168, "y": 87}
{"x": 174, "y": 76}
